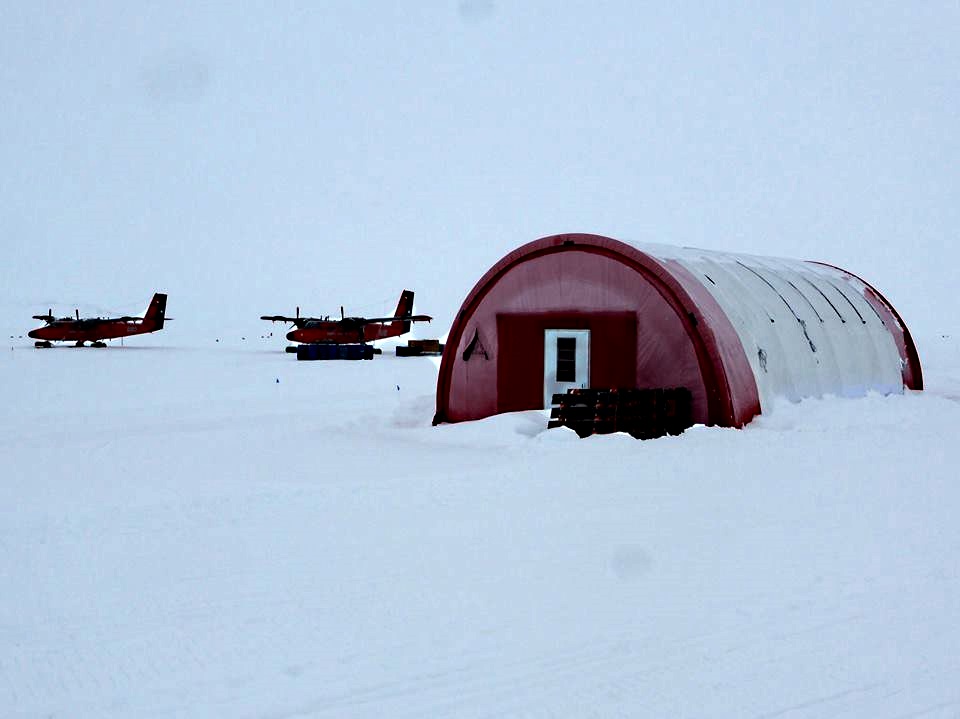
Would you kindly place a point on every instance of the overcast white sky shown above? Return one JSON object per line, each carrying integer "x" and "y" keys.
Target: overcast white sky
{"x": 247, "y": 157}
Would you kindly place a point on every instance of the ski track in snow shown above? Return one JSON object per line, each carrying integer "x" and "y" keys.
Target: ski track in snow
{"x": 183, "y": 535}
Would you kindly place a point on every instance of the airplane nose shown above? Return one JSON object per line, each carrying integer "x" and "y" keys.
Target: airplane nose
{"x": 291, "y": 335}
{"x": 33, "y": 334}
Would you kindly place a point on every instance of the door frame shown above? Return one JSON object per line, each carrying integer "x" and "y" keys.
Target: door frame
{"x": 551, "y": 360}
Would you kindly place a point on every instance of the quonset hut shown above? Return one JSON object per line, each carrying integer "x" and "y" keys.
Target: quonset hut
{"x": 738, "y": 331}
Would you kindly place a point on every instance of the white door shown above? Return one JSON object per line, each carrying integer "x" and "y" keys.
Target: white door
{"x": 566, "y": 362}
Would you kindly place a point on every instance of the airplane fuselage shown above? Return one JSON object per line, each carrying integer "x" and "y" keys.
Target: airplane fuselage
{"x": 90, "y": 330}
{"x": 341, "y": 332}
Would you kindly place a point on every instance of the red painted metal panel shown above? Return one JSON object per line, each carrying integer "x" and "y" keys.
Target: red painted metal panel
{"x": 613, "y": 355}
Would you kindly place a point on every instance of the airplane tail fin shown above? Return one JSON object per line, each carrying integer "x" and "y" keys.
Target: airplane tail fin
{"x": 405, "y": 305}
{"x": 157, "y": 310}
{"x": 404, "y": 309}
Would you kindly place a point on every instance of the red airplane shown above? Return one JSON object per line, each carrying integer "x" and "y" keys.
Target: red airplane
{"x": 96, "y": 329}
{"x": 348, "y": 330}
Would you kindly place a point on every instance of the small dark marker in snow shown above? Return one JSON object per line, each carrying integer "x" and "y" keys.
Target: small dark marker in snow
{"x": 278, "y": 380}
{"x": 398, "y": 388}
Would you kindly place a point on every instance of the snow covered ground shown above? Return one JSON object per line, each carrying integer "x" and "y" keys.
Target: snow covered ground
{"x": 200, "y": 529}
{"x": 194, "y": 529}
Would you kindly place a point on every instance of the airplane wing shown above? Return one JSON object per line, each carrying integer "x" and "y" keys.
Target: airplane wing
{"x": 411, "y": 318}
{"x": 298, "y": 320}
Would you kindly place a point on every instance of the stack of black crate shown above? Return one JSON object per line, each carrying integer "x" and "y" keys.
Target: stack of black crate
{"x": 641, "y": 413}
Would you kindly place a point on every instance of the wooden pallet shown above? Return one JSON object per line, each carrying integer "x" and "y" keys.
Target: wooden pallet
{"x": 641, "y": 413}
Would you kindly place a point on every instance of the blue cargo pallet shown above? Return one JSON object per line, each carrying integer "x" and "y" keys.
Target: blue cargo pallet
{"x": 334, "y": 352}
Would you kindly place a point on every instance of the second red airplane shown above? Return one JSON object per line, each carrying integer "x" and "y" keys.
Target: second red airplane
{"x": 350, "y": 330}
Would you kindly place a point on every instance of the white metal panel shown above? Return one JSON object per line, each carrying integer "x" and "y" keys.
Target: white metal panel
{"x": 807, "y": 329}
